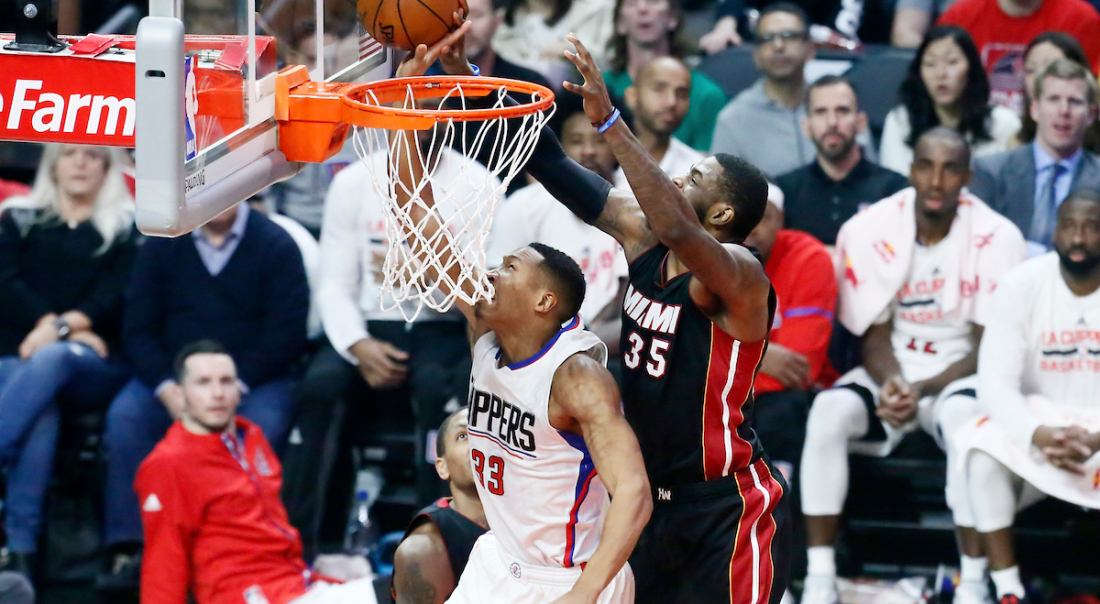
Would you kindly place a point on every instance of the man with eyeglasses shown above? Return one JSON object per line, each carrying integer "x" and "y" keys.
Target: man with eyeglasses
{"x": 764, "y": 123}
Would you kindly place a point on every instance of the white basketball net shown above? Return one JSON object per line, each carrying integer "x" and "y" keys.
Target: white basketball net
{"x": 465, "y": 210}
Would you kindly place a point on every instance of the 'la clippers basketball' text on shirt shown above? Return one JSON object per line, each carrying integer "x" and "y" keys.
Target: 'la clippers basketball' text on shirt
{"x": 539, "y": 487}
{"x": 1041, "y": 339}
{"x": 925, "y": 339}
{"x": 685, "y": 381}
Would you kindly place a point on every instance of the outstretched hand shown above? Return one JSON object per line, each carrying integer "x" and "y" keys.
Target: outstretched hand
{"x": 418, "y": 61}
{"x": 597, "y": 103}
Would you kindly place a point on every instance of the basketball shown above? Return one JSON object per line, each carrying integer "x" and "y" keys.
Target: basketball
{"x": 405, "y": 24}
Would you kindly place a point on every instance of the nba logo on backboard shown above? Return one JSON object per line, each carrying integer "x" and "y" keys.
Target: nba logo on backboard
{"x": 190, "y": 106}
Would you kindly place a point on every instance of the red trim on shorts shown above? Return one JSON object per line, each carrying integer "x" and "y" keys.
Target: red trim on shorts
{"x": 752, "y": 570}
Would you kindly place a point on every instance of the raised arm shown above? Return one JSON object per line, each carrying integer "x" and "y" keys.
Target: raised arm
{"x": 409, "y": 178}
{"x": 584, "y": 400}
{"x": 585, "y": 193}
{"x": 729, "y": 282}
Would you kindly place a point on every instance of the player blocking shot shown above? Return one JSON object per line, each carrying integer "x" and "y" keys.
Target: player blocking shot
{"x": 549, "y": 444}
{"x": 695, "y": 324}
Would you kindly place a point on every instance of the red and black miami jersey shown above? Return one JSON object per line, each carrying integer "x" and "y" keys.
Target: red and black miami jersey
{"x": 686, "y": 382}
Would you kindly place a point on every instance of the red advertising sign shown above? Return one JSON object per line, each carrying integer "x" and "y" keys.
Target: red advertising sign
{"x": 67, "y": 99}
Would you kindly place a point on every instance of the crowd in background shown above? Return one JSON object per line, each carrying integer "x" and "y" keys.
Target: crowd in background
{"x": 92, "y": 314}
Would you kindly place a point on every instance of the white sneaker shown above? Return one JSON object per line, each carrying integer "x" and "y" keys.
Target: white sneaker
{"x": 820, "y": 589}
{"x": 973, "y": 592}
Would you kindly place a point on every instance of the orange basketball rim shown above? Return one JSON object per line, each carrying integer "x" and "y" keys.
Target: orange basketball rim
{"x": 315, "y": 117}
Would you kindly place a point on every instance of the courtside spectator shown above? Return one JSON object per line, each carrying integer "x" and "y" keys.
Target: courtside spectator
{"x": 437, "y": 544}
{"x": 65, "y": 254}
{"x": 311, "y": 259}
{"x": 533, "y": 33}
{"x": 1002, "y": 29}
{"x": 841, "y": 16}
{"x": 1045, "y": 49}
{"x": 840, "y": 181}
{"x": 533, "y": 215}
{"x": 649, "y": 29}
{"x": 659, "y": 99}
{"x": 915, "y": 272}
{"x": 764, "y": 123}
{"x": 239, "y": 279}
{"x": 214, "y": 526}
{"x": 946, "y": 86}
{"x": 1028, "y": 183}
{"x": 1038, "y": 383}
{"x": 372, "y": 358}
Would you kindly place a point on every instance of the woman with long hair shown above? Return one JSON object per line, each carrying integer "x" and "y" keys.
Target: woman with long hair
{"x": 65, "y": 255}
{"x": 946, "y": 86}
{"x": 1043, "y": 50}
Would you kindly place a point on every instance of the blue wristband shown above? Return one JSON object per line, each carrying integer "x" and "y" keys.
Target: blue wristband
{"x": 477, "y": 70}
{"x": 611, "y": 119}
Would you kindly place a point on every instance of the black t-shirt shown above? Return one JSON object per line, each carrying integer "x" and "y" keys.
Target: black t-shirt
{"x": 819, "y": 205}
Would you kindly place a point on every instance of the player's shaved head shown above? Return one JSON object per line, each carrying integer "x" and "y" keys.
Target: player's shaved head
{"x": 566, "y": 280}
{"x": 746, "y": 189}
{"x": 662, "y": 67}
{"x": 660, "y": 96}
{"x": 943, "y": 135}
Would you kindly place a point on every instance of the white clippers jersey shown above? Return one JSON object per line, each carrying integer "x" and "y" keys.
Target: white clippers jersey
{"x": 538, "y": 486}
{"x": 925, "y": 339}
{"x": 1046, "y": 335}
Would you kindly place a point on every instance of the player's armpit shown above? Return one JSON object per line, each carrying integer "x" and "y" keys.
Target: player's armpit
{"x": 585, "y": 400}
{"x": 422, "y": 569}
{"x": 622, "y": 218}
{"x": 728, "y": 284}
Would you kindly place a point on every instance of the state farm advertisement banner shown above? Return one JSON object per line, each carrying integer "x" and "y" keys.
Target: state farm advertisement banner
{"x": 67, "y": 100}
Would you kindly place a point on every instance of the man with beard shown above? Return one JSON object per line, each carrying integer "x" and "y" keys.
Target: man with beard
{"x": 915, "y": 272}
{"x": 659, "y": 98}
{"x": 825, "y": 193}
{"x": 1039, "y": 377}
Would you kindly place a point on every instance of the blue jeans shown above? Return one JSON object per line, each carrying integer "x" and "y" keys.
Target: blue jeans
{"x": 32, "y": 394}
{"x": 136, "y": 422}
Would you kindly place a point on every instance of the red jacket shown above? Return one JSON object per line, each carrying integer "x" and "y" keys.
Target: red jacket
{"x": 214, "y": 524}
{"x": 801, "y": 271}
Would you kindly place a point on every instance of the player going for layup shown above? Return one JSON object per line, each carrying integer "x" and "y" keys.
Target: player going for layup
{"x": 695, "y": 326}
{"x": 549, "y": 442}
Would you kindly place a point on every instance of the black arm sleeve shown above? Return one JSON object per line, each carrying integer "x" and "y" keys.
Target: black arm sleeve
{"x": 582, "y": 191}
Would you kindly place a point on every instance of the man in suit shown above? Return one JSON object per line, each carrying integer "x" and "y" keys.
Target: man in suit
{"x": 1028, "y": 184}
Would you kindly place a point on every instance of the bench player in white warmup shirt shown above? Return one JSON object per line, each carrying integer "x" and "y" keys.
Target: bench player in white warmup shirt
{"x": 1039, "y": 380}
{"x": 548, "y": 439}
{"x": 915, "y": 273}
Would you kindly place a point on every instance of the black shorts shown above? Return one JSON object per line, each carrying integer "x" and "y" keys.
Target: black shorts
{"x": 726, "y": 540}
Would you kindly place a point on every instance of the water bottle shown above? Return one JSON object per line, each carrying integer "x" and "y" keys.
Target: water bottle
{"x": 362, "y": 534}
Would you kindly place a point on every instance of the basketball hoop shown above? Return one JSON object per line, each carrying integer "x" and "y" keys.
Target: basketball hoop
{"x": 501, "y": 136}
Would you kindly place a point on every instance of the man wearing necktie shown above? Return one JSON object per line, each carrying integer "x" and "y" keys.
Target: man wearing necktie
{"x": 1028, "y": 184}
